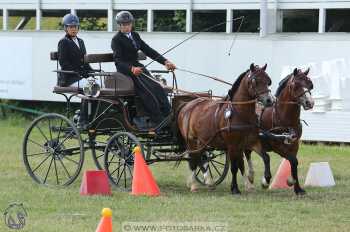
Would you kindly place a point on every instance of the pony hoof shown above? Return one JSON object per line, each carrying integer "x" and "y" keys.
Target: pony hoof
{"x": 300, "y": 192}
{"x": 290, "y": 181}
{"x": 264, "y": 183}
{"x": 194, "y": 189}
{"x": 235, "y": 192}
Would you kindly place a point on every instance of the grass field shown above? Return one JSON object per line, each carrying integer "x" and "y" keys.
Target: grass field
{"x": 50, "y": 209}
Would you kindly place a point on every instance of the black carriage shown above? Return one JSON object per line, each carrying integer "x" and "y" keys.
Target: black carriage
{"x": 54, "y": 146}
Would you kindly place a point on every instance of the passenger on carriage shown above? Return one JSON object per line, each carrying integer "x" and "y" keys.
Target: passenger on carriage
{"x": 71, "y": 51}
{"x": 125, "y": 45}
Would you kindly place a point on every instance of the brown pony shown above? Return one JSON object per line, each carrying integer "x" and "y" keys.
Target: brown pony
{"x": 284, "y": 117}
{"x": 229, "y": 124}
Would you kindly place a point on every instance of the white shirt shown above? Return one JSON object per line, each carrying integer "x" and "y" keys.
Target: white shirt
{"x": 76, "y": 41}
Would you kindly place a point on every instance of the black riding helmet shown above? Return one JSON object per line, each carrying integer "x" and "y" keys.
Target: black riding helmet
{"x": 70, "y": 20}
{"x": 124, "y": 17}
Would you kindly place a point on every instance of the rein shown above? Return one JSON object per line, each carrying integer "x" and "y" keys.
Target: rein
{"x": 204, "y": 75}
{"x": 287, "y": 102}
{"x": 237, "y": 102}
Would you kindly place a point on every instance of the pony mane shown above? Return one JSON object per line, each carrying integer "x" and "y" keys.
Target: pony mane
{"x": 236, "y": 85}
{"x": 282, "y": 84}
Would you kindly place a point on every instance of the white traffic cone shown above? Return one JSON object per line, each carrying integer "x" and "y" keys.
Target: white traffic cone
{"x": 319, "y": 175}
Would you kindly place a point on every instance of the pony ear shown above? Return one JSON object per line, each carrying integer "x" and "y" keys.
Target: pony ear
{"x": 252, "y": 67}
{"x": 264, "y": 68}
{"x": 307, "y": 71}
{"x": 295, "y": 72}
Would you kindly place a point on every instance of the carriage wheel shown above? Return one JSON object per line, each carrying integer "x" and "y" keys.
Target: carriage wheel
{"x": 119, "y": 159}
{"x": 217, "y": 163}
{"x": 53, "y": 152}
{"x": 98, "y": 141}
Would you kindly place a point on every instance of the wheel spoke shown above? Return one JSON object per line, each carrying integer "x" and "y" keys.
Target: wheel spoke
{"x": 218, "y": 162}
{"x": 121, "y": 174}
{"x": 113, "y": 155}
{"x": 42, "y": 133}
{"x": 41, "y": 163}
{"x": 54, "y": 162}
{"x": 50, "y": 129}
{"x": 40, "y": 153}
{"x": 59, "y": 130}
{"x": 76, "y": 162}
{"x": 198, "y": 171}
{"x": 211, "y": 174}
{"x": 48, "y": 170}
{"x": 32, "y": 141}
{"x": 75, "y": 153}
{"x": 114, "y": 152}
{"x": 215, "y": 167}
{"x": 99, "y": 156}
{"x": 124, "y": 176}
{"x": 65, "y": 169}
{"x": 67, "y": 137}
{"x": 116, "y": 169}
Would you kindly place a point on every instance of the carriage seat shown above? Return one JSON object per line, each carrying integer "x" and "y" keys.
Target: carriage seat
{"x": 121, "y": 85}
{"x": 118, "y": 85}
{"x": 68, "y": 89}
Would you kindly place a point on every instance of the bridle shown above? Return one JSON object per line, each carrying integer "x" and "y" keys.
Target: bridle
{"x": 252, "y": 84}
{"x": 295, "y": 101}
{"x": 295, "y": 96}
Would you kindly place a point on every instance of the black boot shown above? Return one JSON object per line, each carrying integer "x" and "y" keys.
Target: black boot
{"x": 140, "y": 122}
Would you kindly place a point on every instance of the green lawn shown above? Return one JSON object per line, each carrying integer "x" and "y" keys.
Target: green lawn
{"x": 50, "y": 209}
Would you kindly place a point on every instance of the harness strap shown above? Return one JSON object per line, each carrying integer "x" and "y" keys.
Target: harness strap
{"x": 260, "y": 117}
{"x": 237, "y": 102}
{"x": 287, "y": 102}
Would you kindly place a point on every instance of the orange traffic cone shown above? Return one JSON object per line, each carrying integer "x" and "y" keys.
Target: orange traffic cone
{"x": 283, "y": 177}
{"x": 143, "y": 182}
{"x": 105, "y": 224}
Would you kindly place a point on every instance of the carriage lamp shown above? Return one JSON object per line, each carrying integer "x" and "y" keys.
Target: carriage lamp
{"x": 91, "y": 89}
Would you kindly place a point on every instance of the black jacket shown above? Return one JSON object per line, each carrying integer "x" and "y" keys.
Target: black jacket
{"x": 125, "y": 53}
{"x": 71, "y": 58}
